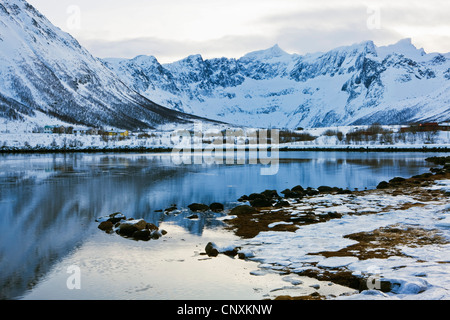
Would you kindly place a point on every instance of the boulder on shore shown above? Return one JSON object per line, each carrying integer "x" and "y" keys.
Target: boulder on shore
{"x": 211, "y": 250}
{"x": 244, "y": 209}
{"x": 291, "y": 194}
{"x": 261, "y": 202}
{"x": 383, "y": 185}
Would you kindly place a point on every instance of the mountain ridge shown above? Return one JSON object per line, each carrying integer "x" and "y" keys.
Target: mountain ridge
{"x": 46, "y": 75}
{"x": 348, "y": 85}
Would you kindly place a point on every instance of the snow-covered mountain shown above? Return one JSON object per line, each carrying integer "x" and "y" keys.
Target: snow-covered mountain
{"x": 358, "y": 84}
{"x": 45, "y": 74}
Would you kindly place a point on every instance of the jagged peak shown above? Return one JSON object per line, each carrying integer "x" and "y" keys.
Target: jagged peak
{"x": 189, "y": 60}
{"x": 367, "y": 46}
{"x": 194, "y": 57}
{"x": 404, "y": 47}
{"x": 272, "y": 52}
{"x": 145, "y": 59}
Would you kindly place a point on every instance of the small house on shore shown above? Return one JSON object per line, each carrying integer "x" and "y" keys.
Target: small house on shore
{"x": 49, "y": 129}
{"x": 117, "y": 133}
{"x": 84, "y": 131}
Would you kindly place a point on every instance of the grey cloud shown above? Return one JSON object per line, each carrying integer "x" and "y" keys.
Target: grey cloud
{"x": 304, "y": 31}
{"x": 172, "y": 50}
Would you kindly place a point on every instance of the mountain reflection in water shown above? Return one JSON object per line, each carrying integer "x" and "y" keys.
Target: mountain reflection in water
{"x": 49, "y": 202}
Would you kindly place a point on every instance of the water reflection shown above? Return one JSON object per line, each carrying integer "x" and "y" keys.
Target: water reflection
{"x": 48, "y": 203}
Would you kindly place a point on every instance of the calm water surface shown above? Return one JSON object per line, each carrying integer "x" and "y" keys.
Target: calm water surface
{"x": 49, "y": 203}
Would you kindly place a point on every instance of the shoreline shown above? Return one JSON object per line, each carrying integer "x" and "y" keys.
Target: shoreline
{"x": 265, "y": 229}
{"x": 169, "y": 150}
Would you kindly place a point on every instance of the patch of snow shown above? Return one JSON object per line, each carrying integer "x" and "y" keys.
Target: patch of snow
{"x": 279, "y": 223}
{"x": 423, "y": 272}
{"x": 337, "y": 262}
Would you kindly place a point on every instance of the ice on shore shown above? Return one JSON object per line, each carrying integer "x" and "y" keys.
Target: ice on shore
{"x": 422, "y": 272}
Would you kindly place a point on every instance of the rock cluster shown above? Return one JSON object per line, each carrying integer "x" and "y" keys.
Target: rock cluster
{"x": 422, "y": 179}
{"x": 130, "y": 228}
{"x": 270, "y": 198}
{"x": 200, "y": 207}
{"x": 212, "y": 250}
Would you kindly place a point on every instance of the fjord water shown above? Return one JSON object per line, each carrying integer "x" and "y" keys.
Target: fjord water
{"x": 49, "y": 203}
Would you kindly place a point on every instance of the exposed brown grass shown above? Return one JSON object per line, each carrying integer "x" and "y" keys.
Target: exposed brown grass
{"x": 383, "y": 243}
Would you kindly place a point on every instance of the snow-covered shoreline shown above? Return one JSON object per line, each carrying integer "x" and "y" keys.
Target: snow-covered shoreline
{"x": 414, "y": 269}
{"x": 158, "y": 141}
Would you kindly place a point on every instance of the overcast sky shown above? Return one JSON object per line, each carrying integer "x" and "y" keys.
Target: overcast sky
{"x": 173, "y": 29}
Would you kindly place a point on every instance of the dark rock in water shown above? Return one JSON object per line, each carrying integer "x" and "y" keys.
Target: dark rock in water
{"x": 216, "y": 207}
{"x": 140, "y": 224}
{"x": 298, "y": 189}
{"x": 325, "y": 189}
{"x": 383, "y": 185}
{"x": 106, "y": 226}
{"x": 232, "y": 253}
{"x": 211, "y": 250}
{"x": 173, "y": 207}
{"x": 259, "y": 203}
{"x": 116, "y": 217}
{"x": 243, "y": 210}
{"x": 292, "y": 194}
{"x": 311, "y": 192}
{"x": 131, "y": 228}
{"x": 143, "y": 235}
{"x": 198, "y": 207}
{"x": 113, "y": 218}
{"x": 255, "y": 196}
{"x": 192, "y": 217}
{"x": 243, "y": 198}
{"x": 127, "y": 229}
{"x": 342, "y": 191}
{"x": 270, "y": 194}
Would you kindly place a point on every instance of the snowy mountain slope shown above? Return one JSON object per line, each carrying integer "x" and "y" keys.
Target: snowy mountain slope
{"x": 45, "y": 71}
{"x": 358, "y": 84}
